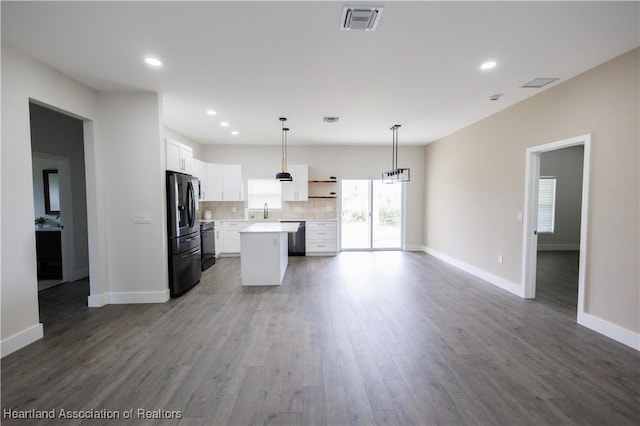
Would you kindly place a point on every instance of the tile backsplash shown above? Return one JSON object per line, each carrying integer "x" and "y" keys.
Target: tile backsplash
{"x": 317, "y": 208}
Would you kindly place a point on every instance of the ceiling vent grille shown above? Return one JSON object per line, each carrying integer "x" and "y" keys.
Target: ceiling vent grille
{"x": 537, "y": 83}
{"x": 330, "y": 119}
{"x": 360, "y": 18}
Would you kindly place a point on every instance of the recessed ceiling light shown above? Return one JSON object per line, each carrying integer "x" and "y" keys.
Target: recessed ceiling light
{"x": 488, "y": 65}
{"x": 154, "y": 62}
{"x": 235, "y": 133}
{"x": 211, "y": 112}
{"x": 224, "y": 124}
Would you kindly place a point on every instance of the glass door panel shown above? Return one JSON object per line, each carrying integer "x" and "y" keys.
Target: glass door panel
{"x": 355, "y": 214}
{"x": 371, "y": 215}
{"x": 386, "y": 215}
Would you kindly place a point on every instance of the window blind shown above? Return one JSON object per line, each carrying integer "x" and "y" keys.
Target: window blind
{"x": 262, "y": 191}
{"x": 546, "y": 204}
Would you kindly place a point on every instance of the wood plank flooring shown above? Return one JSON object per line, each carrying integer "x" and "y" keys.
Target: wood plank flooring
{"x": 376, "y": 338}
{"x": 557, "y": 279}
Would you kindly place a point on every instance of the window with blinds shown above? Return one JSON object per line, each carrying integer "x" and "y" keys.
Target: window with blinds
{"x": 546, "y": 204}
{"x": 260, "y": 191}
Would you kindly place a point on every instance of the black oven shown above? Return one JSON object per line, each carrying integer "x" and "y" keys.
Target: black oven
{"x": 208, "y": 244}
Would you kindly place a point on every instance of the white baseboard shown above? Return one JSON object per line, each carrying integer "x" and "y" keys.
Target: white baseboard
{"x": 613, "y": 331}
{"x": 558, "y": 247}
{"x": 412, "y": 247}
{"x": 123, "y": 298}
{"x": 139, "y": 297}
{"x": 98, "y": 300}
{"x": 504, "y": 284}
{"x": 22, "y": 339}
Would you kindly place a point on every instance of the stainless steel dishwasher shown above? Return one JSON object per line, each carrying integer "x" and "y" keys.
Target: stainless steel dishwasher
{"x": 297, "y": 240}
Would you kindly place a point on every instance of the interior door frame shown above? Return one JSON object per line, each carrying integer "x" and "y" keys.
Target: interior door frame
{"x": 530, "y": 238}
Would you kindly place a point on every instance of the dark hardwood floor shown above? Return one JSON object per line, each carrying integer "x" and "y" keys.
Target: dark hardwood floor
{"x": 384, "y": 338}
{"x": 557, "y": 279}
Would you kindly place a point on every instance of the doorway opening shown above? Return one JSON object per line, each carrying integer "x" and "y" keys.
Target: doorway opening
{"x": 533, "y": 240}
{"x": 558, "y": 226}
{"x": 60, "y": 203}
{"x": 372, "y": 215}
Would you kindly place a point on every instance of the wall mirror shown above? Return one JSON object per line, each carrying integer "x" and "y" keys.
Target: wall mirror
{"x": 51, "y": 191}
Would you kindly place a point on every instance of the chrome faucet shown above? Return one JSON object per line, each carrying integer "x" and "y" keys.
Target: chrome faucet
{"x": 265, "y": 211}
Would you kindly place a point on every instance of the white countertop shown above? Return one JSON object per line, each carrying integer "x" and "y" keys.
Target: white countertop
{"x": 265, "y": 227}
{"x": 49, "y": 229}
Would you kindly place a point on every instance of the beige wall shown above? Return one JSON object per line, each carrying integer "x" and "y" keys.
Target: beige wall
{"x": 474, "y": 184}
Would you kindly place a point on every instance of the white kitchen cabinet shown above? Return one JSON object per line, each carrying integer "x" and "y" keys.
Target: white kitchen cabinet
{"x": 214, "y": 182}
{"x": 224, "y": 182}
{"x": 231, "y": 236}
{"x": 179, "y": 157}
{"x": 321, "y": 238}
{"x": 232, "y": 186}
{"x": 219, "y": 242}
{"x": 298, "y": 189}
{"x": 200, "y": 171}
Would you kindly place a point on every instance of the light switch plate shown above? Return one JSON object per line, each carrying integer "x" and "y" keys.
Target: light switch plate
{"x": 142, "y": 218}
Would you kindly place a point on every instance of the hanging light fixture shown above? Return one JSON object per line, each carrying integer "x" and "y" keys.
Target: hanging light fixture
{"x": 396, "y": 174}
{"x": 283, "y": 175}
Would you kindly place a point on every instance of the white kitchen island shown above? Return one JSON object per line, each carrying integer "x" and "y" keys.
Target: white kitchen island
{"x": 264, "y": 252}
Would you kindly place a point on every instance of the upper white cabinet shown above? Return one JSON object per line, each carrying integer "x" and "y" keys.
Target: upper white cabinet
{"x": 200, "y": 171}
{"x": 298, "y": 189}
{"x": 232, "y": 187}
{"x": 219, "y": 182}
{"x": 179, "y": 157}
{"x": 214, "y": 182}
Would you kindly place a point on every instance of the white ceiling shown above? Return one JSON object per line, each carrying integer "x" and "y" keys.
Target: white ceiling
{"x": 253, "y": 62}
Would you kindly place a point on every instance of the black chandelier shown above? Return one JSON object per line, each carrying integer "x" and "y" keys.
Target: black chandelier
{"x": 396, "y": 174}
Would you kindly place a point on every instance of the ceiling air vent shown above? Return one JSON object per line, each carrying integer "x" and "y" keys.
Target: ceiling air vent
{"x": 537, "y": 83}
{"x": 330, "y": 119}
{"x": 360, "y": 18}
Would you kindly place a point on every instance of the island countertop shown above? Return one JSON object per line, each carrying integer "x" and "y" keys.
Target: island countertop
{"x": 267, "y": 227}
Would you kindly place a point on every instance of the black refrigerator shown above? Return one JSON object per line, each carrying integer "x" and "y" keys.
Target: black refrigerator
{"x": 183, "y": 232}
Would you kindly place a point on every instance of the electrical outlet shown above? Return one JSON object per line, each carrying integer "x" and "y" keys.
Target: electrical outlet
{"x": 234, "y": 210}
{"x": 500, "y": 259}
{"x": 519, "y": 216}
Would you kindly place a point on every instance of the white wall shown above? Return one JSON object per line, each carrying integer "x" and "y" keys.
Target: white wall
{"x": 131, "y": 123}
{"x": 22, "y": 79}
{"x": 124, "y": 160}
{"x": 344, "y": 162}
{"x": 566, "y": 166}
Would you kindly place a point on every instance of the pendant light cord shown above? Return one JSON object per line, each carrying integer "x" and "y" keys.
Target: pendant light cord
{"x": 283, "y": 164}
{"x": 394, "y": 147}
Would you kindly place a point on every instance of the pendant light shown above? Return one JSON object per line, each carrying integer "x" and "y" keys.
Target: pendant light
{"x": 283, "y": 175}
{"x": 396, "y": 174}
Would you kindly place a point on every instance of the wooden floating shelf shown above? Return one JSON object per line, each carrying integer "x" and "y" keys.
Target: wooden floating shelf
{"x": 322, "y": 196}
{"x": 323, "y": 181}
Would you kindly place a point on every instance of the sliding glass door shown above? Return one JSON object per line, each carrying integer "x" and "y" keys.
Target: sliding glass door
{"x": 371, "y": 215}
